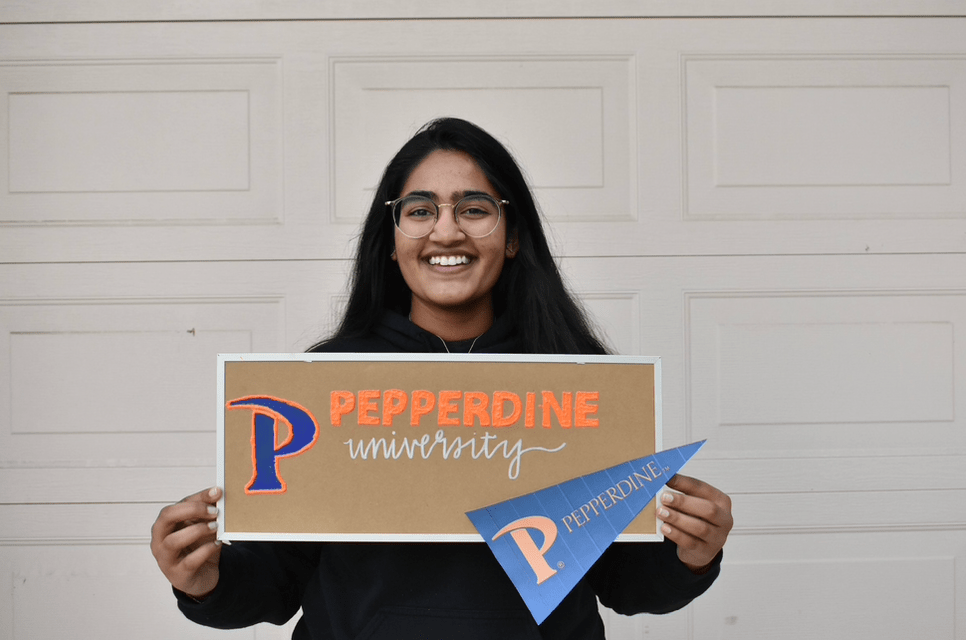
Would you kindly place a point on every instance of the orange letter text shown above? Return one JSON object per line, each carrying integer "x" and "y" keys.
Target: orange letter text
{"x": 447, "y": 407}
{"x": 367, "y": 404}
{"x": 584, "y": 409}
{"x": 394, "y": 402}
{"x": 475, "y": 404}
{"x": 499, "y": 400}
{"x": 342, "y": 403}
{"x": 423, "y": 403}
{"x": 562, "y": 410}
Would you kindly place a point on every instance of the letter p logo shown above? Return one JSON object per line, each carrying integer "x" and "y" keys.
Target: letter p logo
{"x": 268, "y": 414}
{"x": 518, "y": 530}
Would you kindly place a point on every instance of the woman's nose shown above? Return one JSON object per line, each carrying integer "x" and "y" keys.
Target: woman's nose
{"x": 447, "y": 228}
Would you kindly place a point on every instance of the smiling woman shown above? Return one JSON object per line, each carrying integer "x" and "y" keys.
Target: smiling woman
{"x": 455, "y": 277}
{"x": 452, "y": 258}
{"x": 452, "y": 274}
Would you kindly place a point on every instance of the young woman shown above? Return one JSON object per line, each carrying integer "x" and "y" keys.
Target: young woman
{"x": 452, "y": 258}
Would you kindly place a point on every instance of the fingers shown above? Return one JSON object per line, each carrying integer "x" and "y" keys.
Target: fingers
{"x": 698, "y": 519}
{"x": 180, "y": 527}
{"x": 194, "y": 508}
{"x": 687, "y": 530}
{"x": 699, "y": 500}
{"x": 196, "y": 572}
{"x": 210, "y": 496}
{"x": 197, "y": 559}
{"x": 183, "y": 541}
{"x": 187, "y": 551}
{"x": 695, "y": 487}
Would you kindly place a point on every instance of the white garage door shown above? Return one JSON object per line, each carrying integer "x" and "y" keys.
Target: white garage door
{"x": 775, "y": 206}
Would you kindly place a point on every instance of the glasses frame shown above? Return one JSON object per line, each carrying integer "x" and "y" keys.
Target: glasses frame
{"x": 391, "y": 204}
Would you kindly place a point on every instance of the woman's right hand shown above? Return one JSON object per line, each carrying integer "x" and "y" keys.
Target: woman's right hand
{"x": 183, "y": 541}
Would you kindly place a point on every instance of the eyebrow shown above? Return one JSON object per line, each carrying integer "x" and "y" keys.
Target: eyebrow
{"x": 456, "y": 195}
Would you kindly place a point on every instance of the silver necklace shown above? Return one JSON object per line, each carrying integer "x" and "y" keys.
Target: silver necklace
{"x": 472, "y": 344}
{"x": 446, "y": 346}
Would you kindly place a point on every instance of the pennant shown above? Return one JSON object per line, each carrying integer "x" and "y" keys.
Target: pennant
{"x": 547, "y": 540}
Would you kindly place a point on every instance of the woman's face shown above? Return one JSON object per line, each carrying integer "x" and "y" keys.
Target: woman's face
{"x": 447, "y": 295}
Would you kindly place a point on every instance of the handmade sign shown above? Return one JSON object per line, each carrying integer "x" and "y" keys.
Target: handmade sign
{"x": 574, "y": 523}
{"x": 398, "y": 448}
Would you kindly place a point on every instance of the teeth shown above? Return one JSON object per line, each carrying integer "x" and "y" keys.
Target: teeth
{"x": 449, "y": 261}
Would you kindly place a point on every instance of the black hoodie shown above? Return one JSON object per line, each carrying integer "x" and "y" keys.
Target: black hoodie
{"x": 396, "y": 334}
{"x": 423, "y": 591}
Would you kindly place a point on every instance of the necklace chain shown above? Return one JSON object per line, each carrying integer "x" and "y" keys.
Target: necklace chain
{"x": 446, "y": 346}
{"x": 472, "y": 344}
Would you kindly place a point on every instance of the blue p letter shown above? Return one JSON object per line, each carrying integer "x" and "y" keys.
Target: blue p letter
{"x": 267, "y": 413}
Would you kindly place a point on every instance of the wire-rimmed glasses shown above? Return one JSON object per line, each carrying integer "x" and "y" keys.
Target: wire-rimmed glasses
{"x": 477, "y": 214}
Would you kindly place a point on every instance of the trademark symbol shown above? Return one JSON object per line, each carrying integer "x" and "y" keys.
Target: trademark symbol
{"x": 560, "y": 565}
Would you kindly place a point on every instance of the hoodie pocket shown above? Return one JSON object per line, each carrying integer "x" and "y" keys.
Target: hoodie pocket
{"x": 403, "y": 623}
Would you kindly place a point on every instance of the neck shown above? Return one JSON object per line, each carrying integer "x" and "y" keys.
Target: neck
{"x": 453, "y": 325}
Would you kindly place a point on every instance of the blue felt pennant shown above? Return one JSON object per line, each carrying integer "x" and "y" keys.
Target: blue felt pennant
{"x": 547, "y": 540}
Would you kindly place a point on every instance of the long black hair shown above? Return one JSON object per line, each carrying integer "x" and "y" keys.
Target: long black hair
{"x": 530, "y": 288}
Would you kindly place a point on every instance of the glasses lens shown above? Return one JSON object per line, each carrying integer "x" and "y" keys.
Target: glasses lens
{"x": 478, "y": 215}
{"x": 415, "y": 216}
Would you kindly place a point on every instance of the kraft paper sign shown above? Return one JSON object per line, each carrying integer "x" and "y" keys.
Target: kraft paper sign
{"x": 383, "y": 447}
{"x": 574, "y": 523}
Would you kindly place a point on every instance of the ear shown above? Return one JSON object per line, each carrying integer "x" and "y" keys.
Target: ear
{"x": 512, "y": 244}
{"x": 392, "y": 256}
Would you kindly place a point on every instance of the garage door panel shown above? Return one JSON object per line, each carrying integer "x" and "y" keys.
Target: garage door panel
{"x": 840, "y": 597}
{"x": 828, "y": 371}
{"x": 529, "y": 100}
{"x": 755, "y": 355}
{"x": 642, "y": 137}
{"x": 818, "y": 137}
{"x": 97, "y": 588}
{"x": 122, "y": 378}
{"x": 908, "y": 309}
{"x": 122, "y": 373}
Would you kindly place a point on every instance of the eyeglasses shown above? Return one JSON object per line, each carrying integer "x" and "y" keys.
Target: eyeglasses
{"x": 477, "y": 215}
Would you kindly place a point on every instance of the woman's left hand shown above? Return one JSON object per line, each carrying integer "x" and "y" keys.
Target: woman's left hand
{"x": 697, "y": 519}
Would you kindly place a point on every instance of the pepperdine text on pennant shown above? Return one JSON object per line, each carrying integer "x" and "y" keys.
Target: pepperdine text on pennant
{"x": 574, "y": 522}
